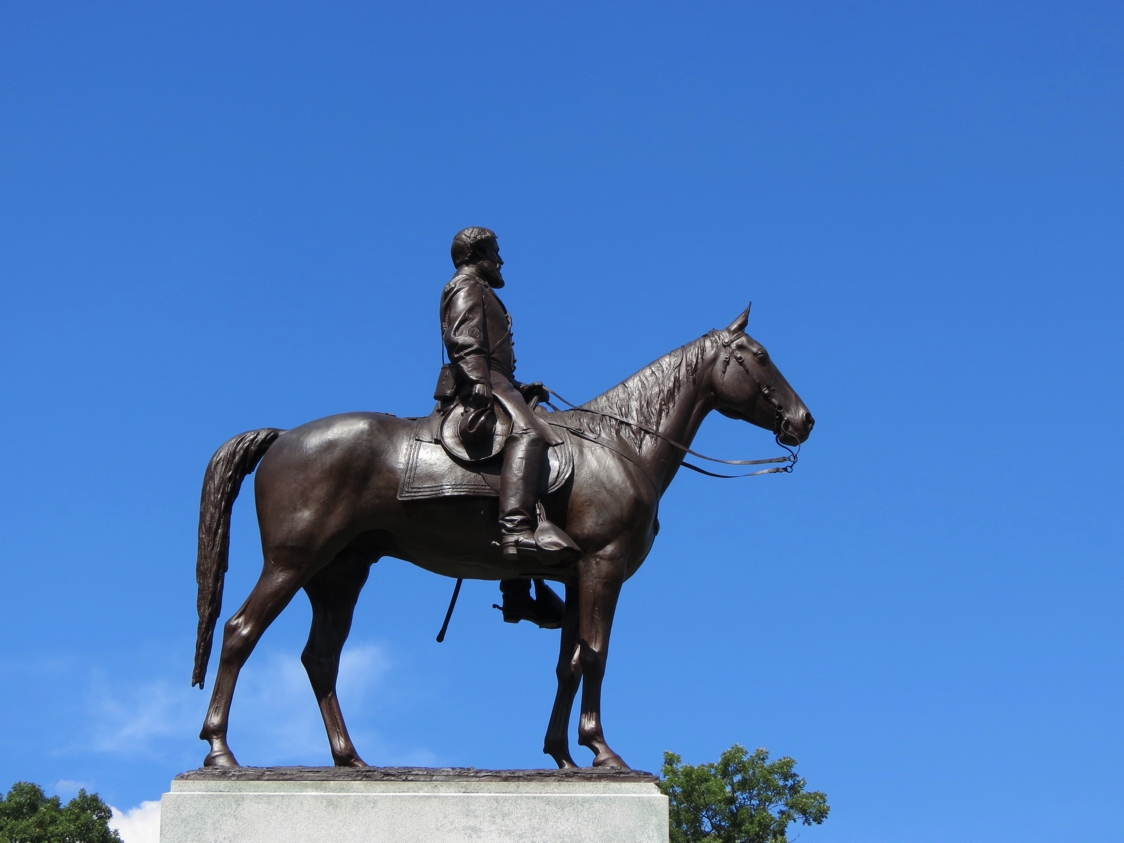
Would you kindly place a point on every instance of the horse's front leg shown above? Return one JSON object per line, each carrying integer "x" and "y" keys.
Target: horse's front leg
{"x": 569, "y": 672}
{"x": 599, "y": 582}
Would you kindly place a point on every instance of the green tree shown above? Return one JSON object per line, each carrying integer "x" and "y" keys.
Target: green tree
{"x": 27, "y": 815}
{"x": 742, "y": 799}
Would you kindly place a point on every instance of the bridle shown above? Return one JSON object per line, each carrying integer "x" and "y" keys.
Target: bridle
{"x": 770, "y": 396}
{"x": 789, "y": 461}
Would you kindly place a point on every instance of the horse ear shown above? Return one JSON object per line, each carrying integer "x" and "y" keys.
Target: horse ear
{"x": 738, "y": 325}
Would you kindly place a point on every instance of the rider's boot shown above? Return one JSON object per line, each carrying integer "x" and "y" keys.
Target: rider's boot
{"x": 545, "y": 609}
{"x": 523, "y": 462}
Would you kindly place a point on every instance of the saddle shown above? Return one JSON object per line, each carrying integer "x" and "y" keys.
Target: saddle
{"x": 437, "y": 464}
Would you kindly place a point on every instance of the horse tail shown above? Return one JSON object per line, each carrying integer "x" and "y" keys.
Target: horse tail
{"x": 225, "y": 472}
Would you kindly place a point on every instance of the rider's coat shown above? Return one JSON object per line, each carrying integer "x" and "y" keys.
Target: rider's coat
{"x": 476, "y": 330}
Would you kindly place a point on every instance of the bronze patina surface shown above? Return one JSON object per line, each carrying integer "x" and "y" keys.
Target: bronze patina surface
{"x": 411, "y": 774}
{"x": 328, "y": 500}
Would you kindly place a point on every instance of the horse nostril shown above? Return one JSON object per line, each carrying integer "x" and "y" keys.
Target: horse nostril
{"x": 808, "y": 420}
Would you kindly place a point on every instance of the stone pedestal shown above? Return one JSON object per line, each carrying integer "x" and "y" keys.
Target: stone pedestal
{"x": 407, "y": 805}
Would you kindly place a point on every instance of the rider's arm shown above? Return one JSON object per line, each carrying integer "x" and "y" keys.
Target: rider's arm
{"x": 531, "y": 391}
{"x": 462, "y": 319}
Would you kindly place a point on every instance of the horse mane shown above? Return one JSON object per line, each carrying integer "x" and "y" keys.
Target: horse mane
{"x": 645, "y": 397}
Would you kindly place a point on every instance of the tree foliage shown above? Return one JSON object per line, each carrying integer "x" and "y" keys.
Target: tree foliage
{"x": 27, "y": 815}
{"x": 741, "y": 799}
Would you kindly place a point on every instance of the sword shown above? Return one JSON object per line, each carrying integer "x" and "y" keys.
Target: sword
{"x": 449, "y": 614}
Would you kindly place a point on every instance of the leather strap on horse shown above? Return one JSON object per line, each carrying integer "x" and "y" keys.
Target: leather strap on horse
{"x": 785, "y": 469}
{"x": 589, "y": 437}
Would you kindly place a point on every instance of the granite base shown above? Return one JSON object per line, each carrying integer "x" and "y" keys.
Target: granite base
{"x": 412, "y": 805}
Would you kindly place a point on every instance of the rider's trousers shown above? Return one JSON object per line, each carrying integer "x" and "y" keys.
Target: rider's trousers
{"x": 524, "y": 460}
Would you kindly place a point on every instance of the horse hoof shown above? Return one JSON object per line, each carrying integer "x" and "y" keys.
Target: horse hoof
{"x": 561, "y": 756}
{"x": 351, "y": 761}
{"x": 610, "y": 759}
{"x": 220, "y": 758}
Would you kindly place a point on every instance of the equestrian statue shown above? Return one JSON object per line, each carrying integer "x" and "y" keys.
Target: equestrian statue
{"x": 489, "y": 486}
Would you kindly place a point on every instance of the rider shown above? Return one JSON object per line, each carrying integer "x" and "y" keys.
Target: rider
{"x": 476, "y": 330}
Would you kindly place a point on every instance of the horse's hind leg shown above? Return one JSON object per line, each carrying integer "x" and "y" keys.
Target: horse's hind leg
{"x": 569, "y": 671}
{"x": 275, "y": 588}
{"x": 333, "y": 593}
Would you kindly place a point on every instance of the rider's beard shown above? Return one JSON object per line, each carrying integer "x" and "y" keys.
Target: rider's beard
{"x": 490, "y": 273}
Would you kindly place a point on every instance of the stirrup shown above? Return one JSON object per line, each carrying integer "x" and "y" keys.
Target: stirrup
{"x": 547, "y": 544}
{"x": 545, "y": 609}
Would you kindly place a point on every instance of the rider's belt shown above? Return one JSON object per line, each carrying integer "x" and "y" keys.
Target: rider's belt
{"x": 496, "y": 366}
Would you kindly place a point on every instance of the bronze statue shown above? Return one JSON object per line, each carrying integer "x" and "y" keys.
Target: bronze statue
{"x": 337, "y": 494}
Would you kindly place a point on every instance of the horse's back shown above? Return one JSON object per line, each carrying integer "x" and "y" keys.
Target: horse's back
{"x": 361, "y": 435}
{"x": 317, "y": 475}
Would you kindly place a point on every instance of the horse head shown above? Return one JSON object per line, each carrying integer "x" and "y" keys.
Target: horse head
{"x": 749, "y": 386}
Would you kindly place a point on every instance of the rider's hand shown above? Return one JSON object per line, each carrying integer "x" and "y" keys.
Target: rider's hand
{"x": 480, "y": 397}
{"x": 531, "y": 391}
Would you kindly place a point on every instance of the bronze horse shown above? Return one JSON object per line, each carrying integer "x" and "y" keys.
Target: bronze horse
{"x": 328, "y": 508}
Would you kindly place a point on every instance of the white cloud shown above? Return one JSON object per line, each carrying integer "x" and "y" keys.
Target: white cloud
{"x": 274, "y": 720}
{"x": 68, "y": 789}
{"x": 132, "y": 720}
{"x": 138, "y": 825}
{"x": 361, "y": 668}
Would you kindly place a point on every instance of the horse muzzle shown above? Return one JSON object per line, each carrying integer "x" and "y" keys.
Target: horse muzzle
{"x": 796, "y": 428}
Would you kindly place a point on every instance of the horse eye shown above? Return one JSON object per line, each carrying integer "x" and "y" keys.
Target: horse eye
{"x": 762, "y": 355}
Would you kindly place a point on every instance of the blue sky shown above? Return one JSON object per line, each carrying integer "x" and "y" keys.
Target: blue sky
{"x": 219, "y": 217}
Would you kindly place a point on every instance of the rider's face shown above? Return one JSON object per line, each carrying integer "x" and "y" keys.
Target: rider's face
{"x": 490, "y": 260}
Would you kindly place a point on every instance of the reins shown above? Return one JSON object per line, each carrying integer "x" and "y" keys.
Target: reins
{"x": 785, "y": 469}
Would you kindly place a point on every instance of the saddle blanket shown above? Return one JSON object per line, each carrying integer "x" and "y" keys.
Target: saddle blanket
{"x": 429, "y": 471}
